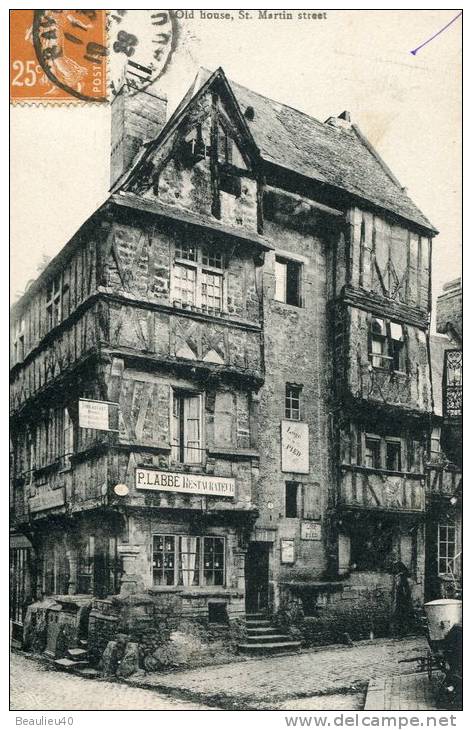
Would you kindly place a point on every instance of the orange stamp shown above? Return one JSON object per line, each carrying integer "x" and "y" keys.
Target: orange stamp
{"x": 58, "y": 55}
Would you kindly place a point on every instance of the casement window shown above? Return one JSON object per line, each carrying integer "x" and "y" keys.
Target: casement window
{"x": 188, "y": 560}
{"x": 292, "y": 491}
{"x": 288, "y": 281}
{"x": 379, "y": 355}
{"x": 372, "y": 457}
{"x": 19, "y": 340}
{"x": 187, "y": 422}
{"x": 292, "y": 401}
{"x": 383, "y": 452}
{"x": 393, "y": 455}
{"x": 387, "y": 345}
{"x": 435, "y": 444}
{"x": 198, "y": 277}
{"x": 446, "y": 548}
{"x": 57, "y": 300}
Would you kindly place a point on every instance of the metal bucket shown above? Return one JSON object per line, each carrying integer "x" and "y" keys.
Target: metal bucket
{"x": 442, "y": 615}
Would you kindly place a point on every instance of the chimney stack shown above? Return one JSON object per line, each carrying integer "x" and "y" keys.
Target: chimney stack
{"x": 136, "y": 117}
{"x": 343, "y": 120}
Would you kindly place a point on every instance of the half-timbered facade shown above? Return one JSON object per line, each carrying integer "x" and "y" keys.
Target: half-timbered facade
{"x": 251, "y": 305}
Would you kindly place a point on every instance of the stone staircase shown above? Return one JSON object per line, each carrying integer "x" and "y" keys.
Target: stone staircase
{"x": 76, "y": 661}
{"x": 262, "y": 638}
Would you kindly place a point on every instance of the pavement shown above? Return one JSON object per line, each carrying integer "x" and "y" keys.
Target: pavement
{"x": 327, "y": 678}
{"x": 404, "y": 692}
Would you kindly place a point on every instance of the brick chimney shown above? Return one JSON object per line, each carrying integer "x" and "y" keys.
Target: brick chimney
{"x": 136, "y": 117}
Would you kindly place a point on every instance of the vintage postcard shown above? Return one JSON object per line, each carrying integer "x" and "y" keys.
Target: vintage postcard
{"x": 236, "y": 361}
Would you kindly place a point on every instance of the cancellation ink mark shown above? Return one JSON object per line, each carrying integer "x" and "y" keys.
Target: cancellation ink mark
{"x": 415, "y": 50}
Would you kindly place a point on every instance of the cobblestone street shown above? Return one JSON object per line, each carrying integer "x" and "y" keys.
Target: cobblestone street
{"x": 331, "y": 678}
{"x": 34, "y": 686}
{"x": 327, "y": 678}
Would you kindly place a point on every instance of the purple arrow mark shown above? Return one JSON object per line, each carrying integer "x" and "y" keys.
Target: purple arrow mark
{"x": 415, "y": 50}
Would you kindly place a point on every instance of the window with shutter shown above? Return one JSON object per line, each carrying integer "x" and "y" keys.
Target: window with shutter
{"x": 186, "y": 428}
{"x": 311, "y": 502}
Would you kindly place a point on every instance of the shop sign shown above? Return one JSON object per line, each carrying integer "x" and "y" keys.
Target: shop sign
{"x": 287, "y": 551}
{"x": 98, "y": 414}
{"x": 310, "y": 530}
{"x": 47, "y": 499}
{"x": 167, "y": 481}
{"x": 294, "y": 443}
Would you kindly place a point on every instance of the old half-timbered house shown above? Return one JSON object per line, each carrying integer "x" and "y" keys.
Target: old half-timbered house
{"x": 221, "y": 389}
{"x": 444, "y": 469}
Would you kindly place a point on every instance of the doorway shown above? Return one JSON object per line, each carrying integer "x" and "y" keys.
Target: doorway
{"x": 257, "y": 577}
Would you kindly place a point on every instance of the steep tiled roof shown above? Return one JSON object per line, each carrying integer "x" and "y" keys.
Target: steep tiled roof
{"x": 335, "y": 155}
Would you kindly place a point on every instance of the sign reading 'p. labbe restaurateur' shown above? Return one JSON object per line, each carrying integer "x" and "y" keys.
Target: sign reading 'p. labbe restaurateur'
{"x": 168, "y": 481}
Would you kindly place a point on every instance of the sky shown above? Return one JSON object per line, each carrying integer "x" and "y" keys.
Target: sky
{"x": 409, "y": 107}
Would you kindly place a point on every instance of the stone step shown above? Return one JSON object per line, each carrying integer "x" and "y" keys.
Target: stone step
{"x": 77, "y": 654}
{"x": 255, "y": 615}
{"x": 83, "y": 643}
{"x": 270, "y": 648}
{"x": 267, "y": 639}
{"x": 259, "y": 623}
{"x": 261, "y": 630}
{"x": 69, "y": 665}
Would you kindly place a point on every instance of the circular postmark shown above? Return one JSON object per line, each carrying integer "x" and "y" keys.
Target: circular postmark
{"x": 71, "y": 49}
{"x": 141, "y": 44}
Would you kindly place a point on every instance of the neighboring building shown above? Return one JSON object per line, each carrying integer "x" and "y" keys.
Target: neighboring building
{"x": 255, "y": 296}
{"x": 444, "y": 472}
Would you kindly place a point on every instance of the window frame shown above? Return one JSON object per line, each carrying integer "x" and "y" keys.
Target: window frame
{"x": 293, "y": 393}
{"x": 397, "y": 442}
{"x": 18, "y": 340}
{"x": 386, "y": 352}
{"x": 200, "y": 568}
{"x": 441, "y": 558}
{"x": 373, "y": 438}
{"x": 203, "y": 264}
{"x": 179, "y": 449}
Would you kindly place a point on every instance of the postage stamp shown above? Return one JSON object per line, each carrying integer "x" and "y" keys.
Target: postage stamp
{"x": 58, "y": 55}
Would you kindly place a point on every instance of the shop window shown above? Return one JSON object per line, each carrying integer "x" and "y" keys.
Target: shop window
{"x": 372, "y": 455}
{"x": 393, "y": 455}
{"x": 198, "y": 276}
{"x": 213, "y": 561}
{"x": 446, "y": 549}
{"x": 187, "y": 444}
{"x": 371, "y": 546}
{"x": 188, "y": 560}
{"x": 288, "y": 281}
{"x": 291, "y": 499}
{"x": 292, "y": 401}
{"x": 163, "y": 560}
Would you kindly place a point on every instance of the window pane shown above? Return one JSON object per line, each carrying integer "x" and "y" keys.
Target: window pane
{"x": 293, "y": 283}
{"x": 213, "y": 561}
{"x": 372, "y": 453}
{"x": 280, "y": 281}
{"x": 212, "y": 289}
{"x": 184, "y": 284}
{"x": 163, "y": 560}
{"x": 212, "y": 258}
{"x": 292, "y": 402}
{"x": 186, "y": 251}
{"x": 192, "y": 430}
